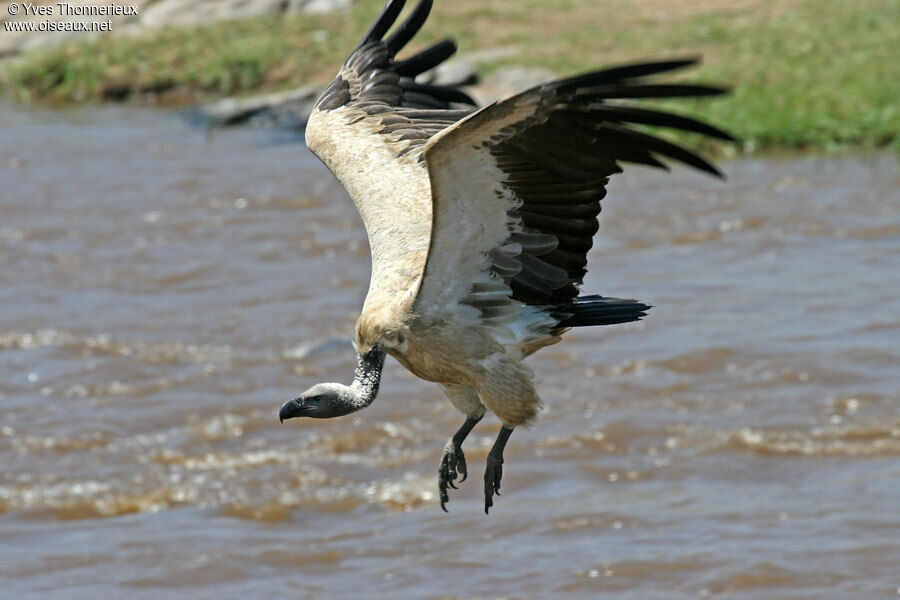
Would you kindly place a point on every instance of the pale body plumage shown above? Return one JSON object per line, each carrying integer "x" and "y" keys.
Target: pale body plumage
{"x": 479, "y": 221}
{"x": 433, "y": 334}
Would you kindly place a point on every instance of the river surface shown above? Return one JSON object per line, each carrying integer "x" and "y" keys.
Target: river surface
{"x": 164, "y": 290}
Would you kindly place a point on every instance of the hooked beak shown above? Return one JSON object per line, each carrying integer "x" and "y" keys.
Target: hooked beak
{"x": 291, "y": 409}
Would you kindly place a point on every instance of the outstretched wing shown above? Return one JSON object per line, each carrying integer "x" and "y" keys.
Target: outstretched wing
{"x": 370, "y": 127}
{"x": 516, "y": 187}
{"x": 372, "y": 82}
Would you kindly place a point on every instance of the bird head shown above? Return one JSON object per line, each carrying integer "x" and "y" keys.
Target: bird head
{"x": 321, "y": 401}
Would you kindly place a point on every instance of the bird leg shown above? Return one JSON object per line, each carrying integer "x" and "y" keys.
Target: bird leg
{"x": 494, "y": 470}
{"x": 453, "y": 461}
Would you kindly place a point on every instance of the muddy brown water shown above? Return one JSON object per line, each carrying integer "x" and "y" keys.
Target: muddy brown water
{"x": 163, "y": 291}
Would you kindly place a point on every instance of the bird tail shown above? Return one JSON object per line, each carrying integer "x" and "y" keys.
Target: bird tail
{"x": 598, "y": 310}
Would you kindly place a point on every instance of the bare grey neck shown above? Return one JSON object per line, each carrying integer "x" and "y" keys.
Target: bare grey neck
{"x": 367, "y": 377}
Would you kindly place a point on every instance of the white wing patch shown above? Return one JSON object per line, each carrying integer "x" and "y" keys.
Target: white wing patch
{"x": 472, "y": 223}
{"x": 392, "y": 195}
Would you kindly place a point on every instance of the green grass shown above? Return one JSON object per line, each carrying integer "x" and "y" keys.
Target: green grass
{"x": 805, "y": 73}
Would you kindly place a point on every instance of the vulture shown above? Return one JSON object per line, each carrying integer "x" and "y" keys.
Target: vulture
{"x": 479, "y": 220}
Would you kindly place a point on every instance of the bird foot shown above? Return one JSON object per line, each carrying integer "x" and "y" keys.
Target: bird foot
{"x": 492, "y": 474}
{"x": 453, "y": 464}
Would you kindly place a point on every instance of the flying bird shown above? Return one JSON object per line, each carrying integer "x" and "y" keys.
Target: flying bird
{"x": 479, "y": 220}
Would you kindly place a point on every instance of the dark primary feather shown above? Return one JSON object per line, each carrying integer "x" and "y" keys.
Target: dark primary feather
{"x": 631, "y": 114}
{"x": 620, "y": 73}
{"x": 440, "y": 92}
{"x": 557, "y": 161}
{"x": 384, "y": 21}
{"x": 405, "y": 32}
{"x": 373, "y": 81}
{"x": 426, "y": 59}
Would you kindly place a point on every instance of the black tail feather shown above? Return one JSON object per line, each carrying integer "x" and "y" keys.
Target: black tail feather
{"x": 586, "y": 311}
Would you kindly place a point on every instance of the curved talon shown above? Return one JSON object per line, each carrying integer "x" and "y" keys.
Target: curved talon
{"x": 492, "y": 475}
{"x": 453, "y": 463}
{"x": 494, "y": 470}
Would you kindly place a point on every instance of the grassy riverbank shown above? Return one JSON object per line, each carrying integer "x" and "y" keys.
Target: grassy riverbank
{"x": 806, "y": 73}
